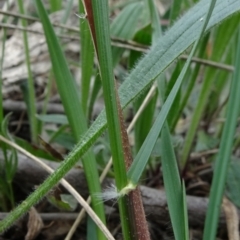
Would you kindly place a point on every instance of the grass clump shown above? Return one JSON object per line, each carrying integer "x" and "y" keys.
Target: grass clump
{"x": 192, "y": 95}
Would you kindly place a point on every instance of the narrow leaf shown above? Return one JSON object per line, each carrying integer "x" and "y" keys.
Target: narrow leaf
{"x": 222, "y": 161}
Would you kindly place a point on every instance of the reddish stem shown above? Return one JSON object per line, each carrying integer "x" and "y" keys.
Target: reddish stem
{"x": 135, "y": 207}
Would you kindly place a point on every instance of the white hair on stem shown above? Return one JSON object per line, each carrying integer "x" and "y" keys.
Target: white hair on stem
{"x": 111, "y": 192}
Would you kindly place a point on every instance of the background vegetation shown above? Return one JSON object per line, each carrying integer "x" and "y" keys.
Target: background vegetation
{"x": 168, "y": 77}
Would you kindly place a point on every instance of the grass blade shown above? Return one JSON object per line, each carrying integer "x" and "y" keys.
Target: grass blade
{"x": 190, "y": 86}
{"x": 175, "y": 10}
{"x": 218, "y": 51}
{"x": 140, "y": 161}
{"x": 222, "y": 161}
{"x": 69, "y": 95}
{"x": 144, "y": 122}
{"x": 87, "y": 57}
{"x": 124, "y": 26}
{"x": 130, "y": 206}
{"x": 72, "y": 106}
{"x": 55, "y": 5}
{"x": 99, "y": 25}
{"x": 172, "y": 184}
{"x": 185, "y": 212}
{"x": 4, "y": 37}
{"x": 176, "y": 195}
{"x": 31, "y": 90}
{"x": 171, "y": 45}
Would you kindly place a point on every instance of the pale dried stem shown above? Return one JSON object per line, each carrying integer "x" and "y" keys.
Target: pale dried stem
{"x": 232, "y": 219}
{"x": 109, "y": 164}
{"x": 115, "y": 41}
{"x": 71, "y": 190}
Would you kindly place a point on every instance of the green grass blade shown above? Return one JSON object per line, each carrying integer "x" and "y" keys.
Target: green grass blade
{"x": 1, "y": 70}
{"x": 180, "y": 42}
{"x": 3, "y": 42}
{"x": 108, "y": 83}
{"x": 55, "y": 5}
{"x": 196, "y": 118}
{"x": 66, "y": 14}
{"x": 140, "y": 161}
{"x": 46, "y": 100}
{"x": 53, "y": 118}
{"x": 4, "y": 204}
{"x": 175, "y": 10}
{"x": 101, "y": 31}
{"x": 185, "y": 212}
{"x": 50, "y": 78}
{"x": 172, "y": 184}
{"x": 171, "y": 45}
{"x": 66, "y": 84}
{"x": 94, "y": 94}
{"x": 86, "y": 61}
{"x": 67, "y": 11}
{"x": 124, "y": 26}
{"x": 170, "y": 84}
{"x": 155, "y": 22}
{"x": 191, "y": 84}
{"x": 219, "y": 49}
{"x": 9, "y": 166}
{"x": 31, "y": 90}
{"x": 72, "y": 106}
{"x": 91, "y": 229}
{"x": 222, "y": 161}
{"x": 144, "y": 122}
